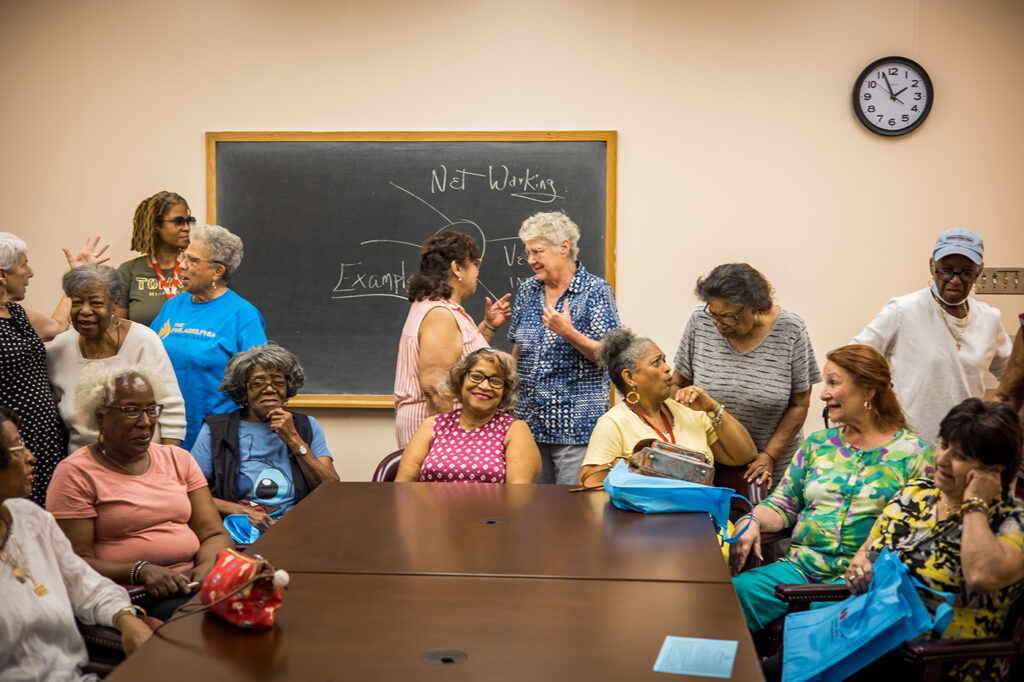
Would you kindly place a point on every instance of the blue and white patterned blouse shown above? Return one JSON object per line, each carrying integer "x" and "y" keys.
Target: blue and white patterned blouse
{"x": 562, "y": 392}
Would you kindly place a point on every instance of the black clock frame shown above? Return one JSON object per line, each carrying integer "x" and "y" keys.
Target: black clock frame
{"x": 885, "y": 131}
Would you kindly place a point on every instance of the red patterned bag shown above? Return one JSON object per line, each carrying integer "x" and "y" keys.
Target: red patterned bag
{"x": 243, "y": 590}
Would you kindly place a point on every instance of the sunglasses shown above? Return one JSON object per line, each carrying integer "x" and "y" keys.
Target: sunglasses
{"x": 180, "y": 222}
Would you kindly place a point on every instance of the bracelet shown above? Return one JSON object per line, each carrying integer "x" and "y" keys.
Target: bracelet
{"x": 972, "y": 504}
{"x": 133, "y": 577}
{"x": 133, "y": 609}
{"x": 716, "y": 418}
{"x": 493, "y": 329}
{"x": 752, "y": 518}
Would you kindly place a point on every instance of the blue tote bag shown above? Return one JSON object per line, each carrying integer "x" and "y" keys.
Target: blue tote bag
{"x": 834, "y": 642}
{"x": 653, "y": 495}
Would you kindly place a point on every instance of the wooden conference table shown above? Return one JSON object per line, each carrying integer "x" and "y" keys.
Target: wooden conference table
{"x": 530, "y": 582}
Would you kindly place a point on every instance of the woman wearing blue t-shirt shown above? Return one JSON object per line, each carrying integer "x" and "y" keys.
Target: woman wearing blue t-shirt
{"x": 262, "y": 460}
{"x": 206, "y": 324}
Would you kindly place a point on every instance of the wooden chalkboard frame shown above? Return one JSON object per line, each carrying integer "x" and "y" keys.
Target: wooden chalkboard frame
{"x": 609, "y": 137}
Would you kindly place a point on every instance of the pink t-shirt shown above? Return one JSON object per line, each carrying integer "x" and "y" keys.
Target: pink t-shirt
{"x": 410, "y": 404}
{"x": 138, "y": 518}
{"x": 459, "y": 455}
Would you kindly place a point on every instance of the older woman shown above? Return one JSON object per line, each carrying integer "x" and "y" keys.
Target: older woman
{"x": 438, "y": 332}
{"x": 836, "y": 485}
{"x": 754, "y": 356}
{"x": 558, "y": 320}
{"x": 206, "y": 325}
{"x": 45, "y": 585}
{"x": 137, "y": 512}
{"x": 697, "y": 422}
{"x": 479, "y": 441}
{"x": 940, "y": 342}
{"x": 963, "y": 531}
{"x": 100, "y": 336}
{"x": 24, "y": 386}
{"x": 263, "y": 459}
{"x": 160, "y": 232}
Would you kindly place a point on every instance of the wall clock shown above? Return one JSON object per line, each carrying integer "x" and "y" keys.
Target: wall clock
{"x": 892, "y": 96}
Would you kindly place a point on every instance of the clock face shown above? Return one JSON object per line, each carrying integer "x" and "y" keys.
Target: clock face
{"x": 892, "y": 96}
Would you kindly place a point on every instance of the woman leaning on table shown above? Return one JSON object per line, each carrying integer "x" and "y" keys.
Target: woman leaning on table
{"x": 24, "y": 385}
{"x": 558, "y": 320}
{"x": 98, "y": 335}
{"x": 160, "y": 232}
{"x": 477, "y": 441}
{"x": 45, "y": 585}
{"x": 754, "y": 356}
{"x": 137, "y": 512}
{"x": 963, "y": 531}
{"x": 438, "y": 331}
{"x": 940, "y": 342}
{"x": 206, "y": 325}
{"x": 836, "y": 485}
{"x": 696, "y": 422}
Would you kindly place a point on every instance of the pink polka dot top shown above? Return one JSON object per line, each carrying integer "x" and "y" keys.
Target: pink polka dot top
{"x": 459, "y": 455}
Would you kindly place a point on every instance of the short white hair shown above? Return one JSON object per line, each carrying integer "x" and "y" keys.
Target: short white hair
{"x": 11, "y": 248}
{"x": 552, "y": 228}
{"x": 225, "y": 247}
{"x": 98, "y": 385}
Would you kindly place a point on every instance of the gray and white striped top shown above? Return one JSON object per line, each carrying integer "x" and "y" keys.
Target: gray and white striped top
{"x": 755, "y": 386}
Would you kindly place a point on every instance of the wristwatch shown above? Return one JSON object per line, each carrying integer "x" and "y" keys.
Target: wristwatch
{"x": 303, "y": 450}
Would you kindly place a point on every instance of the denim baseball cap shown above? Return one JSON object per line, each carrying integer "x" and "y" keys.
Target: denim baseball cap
{"x": 961, "y": 241}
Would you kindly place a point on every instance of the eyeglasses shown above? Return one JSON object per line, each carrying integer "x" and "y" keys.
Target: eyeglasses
{"x": 180, "y": 222}
{"x": 192, "y": 261}
{"x": 135, "y": 412}
{"x": 495, "y": 382}
{"x": 534, "y": 253}
{"x": 947, "y": 275}
{"x": 260, "y": 384}
{"x": 724, "y": 319}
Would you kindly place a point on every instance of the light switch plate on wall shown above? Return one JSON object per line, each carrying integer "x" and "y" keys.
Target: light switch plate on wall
{"x": 1001, "y": 281}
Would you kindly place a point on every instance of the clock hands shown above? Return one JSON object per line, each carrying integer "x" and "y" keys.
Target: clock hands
{"x": 888, "y": 85}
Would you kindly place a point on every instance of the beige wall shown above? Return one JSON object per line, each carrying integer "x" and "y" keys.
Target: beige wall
{"x": 737, "y": 139}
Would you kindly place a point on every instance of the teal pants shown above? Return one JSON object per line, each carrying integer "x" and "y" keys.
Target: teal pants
{"x": 756, "y": 591}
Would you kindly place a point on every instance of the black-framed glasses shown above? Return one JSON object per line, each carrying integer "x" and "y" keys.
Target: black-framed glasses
{"x": 724, "y": 319}
{"x": 180, "y": 222}
{"x": 135, "y": 412}
{"x": 947, "y": 275}
{"x": 494, "y": 382}
{"x": 261, "y": 384}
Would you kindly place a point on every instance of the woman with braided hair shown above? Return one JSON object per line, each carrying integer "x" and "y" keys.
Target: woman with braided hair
{"x": 160, "y": 232}
{"x": 438, "y": 331}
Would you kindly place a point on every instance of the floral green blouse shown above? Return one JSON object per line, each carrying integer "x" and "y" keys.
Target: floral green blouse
{"x": 931, "y": 550}
{"x": 832, "y": 493}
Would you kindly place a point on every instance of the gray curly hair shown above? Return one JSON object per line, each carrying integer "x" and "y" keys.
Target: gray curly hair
{"x": 90, "y": 275}
{"x": 99, "y": 383}
{"x": 552, "y": 228}
{"x": 621, "y": 349}
{"x": 225, "y": 247}
{"x": 11, "y": 248}
{"x": 452, "y": 386}
{"x": 270, "y": 357}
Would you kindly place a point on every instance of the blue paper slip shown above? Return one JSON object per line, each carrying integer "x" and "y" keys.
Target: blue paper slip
{"x": 695, "y": 656}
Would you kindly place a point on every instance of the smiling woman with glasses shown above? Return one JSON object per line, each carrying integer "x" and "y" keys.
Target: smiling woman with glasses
{"x": 479, "y": 441}
{"x": 161, "y": 228}
{"x": 137, "y": 512}
{"x": 263, "y": 459}
{"x": 940, "y": 342}
{"x": 206, "y": 325}
{"x": 756, "y": 357}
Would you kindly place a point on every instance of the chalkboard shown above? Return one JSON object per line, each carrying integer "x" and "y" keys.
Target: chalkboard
{"x": 333, "y": 222}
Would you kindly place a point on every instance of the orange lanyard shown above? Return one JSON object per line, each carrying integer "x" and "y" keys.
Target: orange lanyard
{"x": 170, "y": 290}
{"x": 668, "y": 427}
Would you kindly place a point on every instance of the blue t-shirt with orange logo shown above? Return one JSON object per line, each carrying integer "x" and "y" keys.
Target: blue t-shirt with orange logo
{"x": 200, "y": 338}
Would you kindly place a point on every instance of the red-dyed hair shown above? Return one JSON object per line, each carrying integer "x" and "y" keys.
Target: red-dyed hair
{"x": 871, "y": 372}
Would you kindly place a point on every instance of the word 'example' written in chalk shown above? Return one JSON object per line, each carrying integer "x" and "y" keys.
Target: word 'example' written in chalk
{"x": 355, "y": 282}
{"x": 527, "y": 184}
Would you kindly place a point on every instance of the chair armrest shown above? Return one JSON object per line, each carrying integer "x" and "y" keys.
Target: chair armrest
{"x": 136, "y": 592}
{"x": 955, "y": 649}
{"x": 101, "y": 635}
{"x": 807, "y": 593}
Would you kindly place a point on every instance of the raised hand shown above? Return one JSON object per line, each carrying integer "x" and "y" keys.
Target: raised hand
{"x": 558, "y": 321}
{"x": 89, "y": 254}
{"x": 498, "y": 312}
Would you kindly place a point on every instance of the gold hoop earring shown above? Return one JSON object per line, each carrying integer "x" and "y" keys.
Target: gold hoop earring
{"x": 867, "y": 406}
{"x": 632, "y": 397}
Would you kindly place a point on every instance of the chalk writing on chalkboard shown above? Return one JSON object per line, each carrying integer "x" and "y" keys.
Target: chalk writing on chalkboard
{"x": 333, "y": 224}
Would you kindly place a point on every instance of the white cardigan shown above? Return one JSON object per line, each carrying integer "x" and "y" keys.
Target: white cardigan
{"x": 141, "y": 346}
